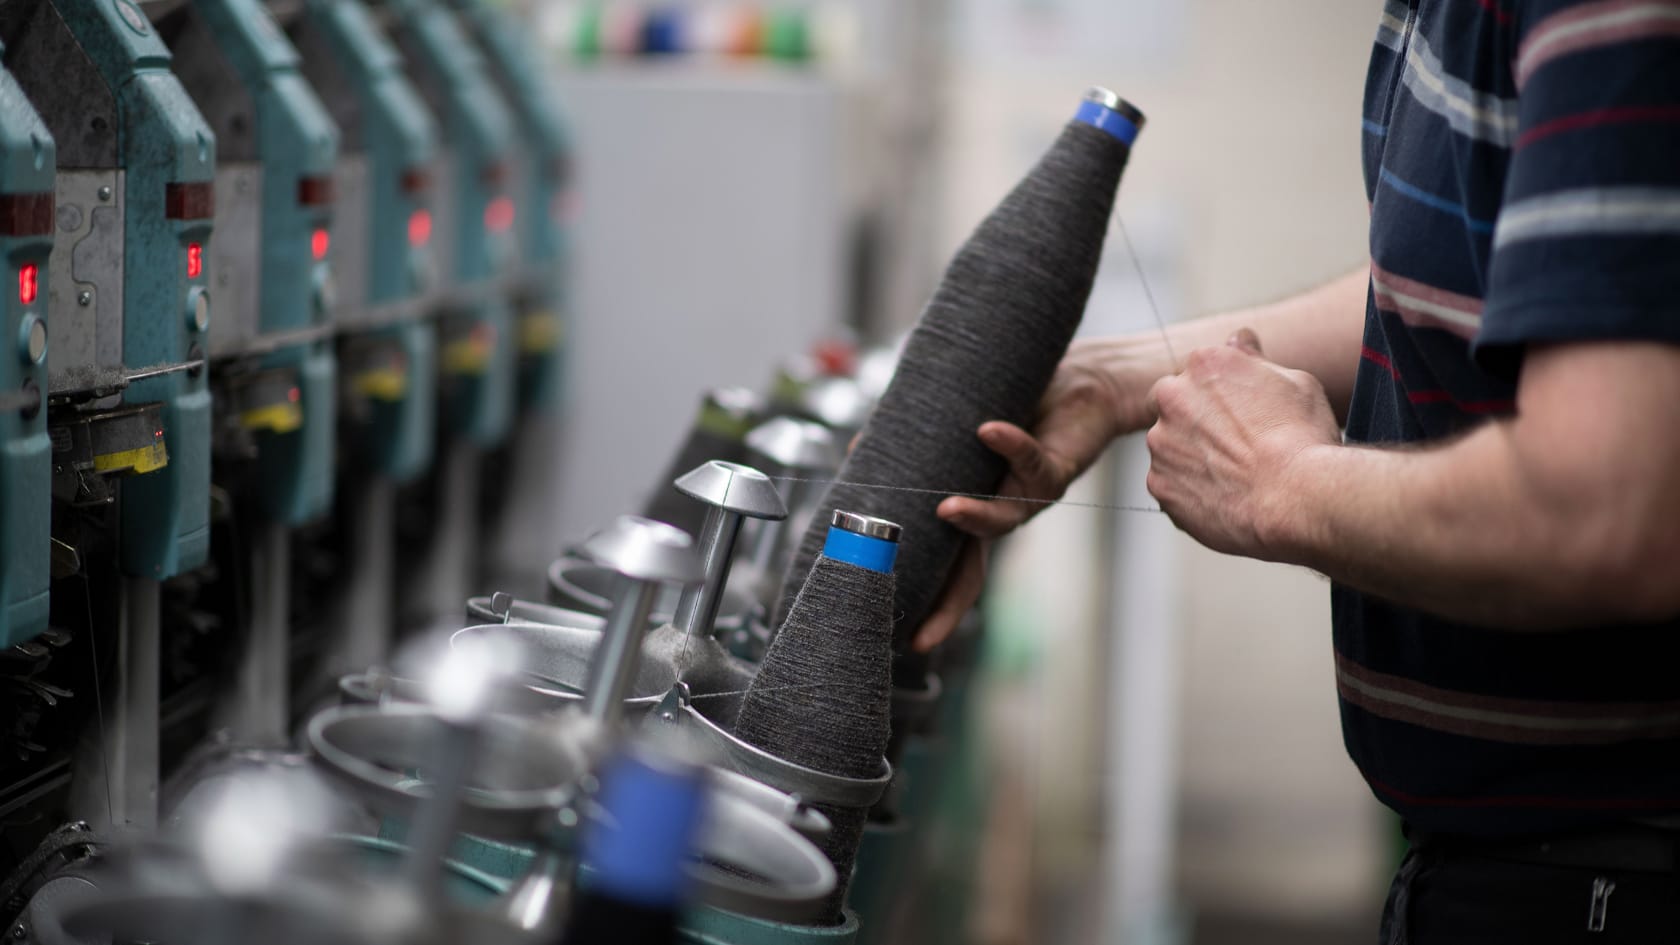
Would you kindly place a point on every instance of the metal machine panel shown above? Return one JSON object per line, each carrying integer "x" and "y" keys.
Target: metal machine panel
{"x": 85, "y": 282}
{"x": 352, "y": 235}
{"x": 233, "y": 258}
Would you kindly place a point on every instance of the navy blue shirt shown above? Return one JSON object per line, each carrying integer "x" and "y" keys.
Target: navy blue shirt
{"x": 1522, "y": 160}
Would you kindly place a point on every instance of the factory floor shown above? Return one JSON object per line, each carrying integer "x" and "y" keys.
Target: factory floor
{"x": 1239, "y": 929}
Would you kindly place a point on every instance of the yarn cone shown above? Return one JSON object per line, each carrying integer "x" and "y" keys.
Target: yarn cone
{"x": 984, "y": 349}
{"x": 823, "y": 696}
{"x": 719, "y": 431}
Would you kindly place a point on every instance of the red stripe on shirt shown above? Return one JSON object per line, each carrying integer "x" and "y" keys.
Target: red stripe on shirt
{"x": 1500, "y": 16}
{"x": 1379, "y": 359}
{"x": 1468, "y": 406}
{"x": 1625, "y": 114}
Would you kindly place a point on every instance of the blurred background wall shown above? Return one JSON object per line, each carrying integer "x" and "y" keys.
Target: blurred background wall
{"x": 1163, "y": 739}
{"x": 1245, "y": 188}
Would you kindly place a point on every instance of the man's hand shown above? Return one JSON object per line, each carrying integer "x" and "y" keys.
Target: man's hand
{"x": 1228, "y": 428}
{"x": 1086, "y": 406}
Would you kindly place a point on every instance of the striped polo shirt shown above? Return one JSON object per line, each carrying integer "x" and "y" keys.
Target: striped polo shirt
{"x": 1522, "y": 160}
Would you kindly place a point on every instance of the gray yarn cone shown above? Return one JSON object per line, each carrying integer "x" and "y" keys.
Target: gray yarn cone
{"x": 823, "y": 696}
{"x": 985, "y": 349}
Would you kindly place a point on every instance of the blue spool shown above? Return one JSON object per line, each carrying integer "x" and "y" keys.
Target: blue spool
{"x": 876, "y": 554}
{"x": 662, "y": 33}
{"x": 656, "y": 810}
{"x": 1119, "y": 125}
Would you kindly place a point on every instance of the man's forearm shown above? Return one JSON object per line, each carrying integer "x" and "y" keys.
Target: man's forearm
{"x": 1465, "y": 531}
{"x": 1318, "y": 331}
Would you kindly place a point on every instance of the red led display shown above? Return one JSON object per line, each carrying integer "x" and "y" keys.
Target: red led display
{"x": 498, "y": 214}
{"x": 195, "y": 260}
{"x": 28, "y": 283}
{"x": 419, "y": 227}
{"x": 319, "y": 242}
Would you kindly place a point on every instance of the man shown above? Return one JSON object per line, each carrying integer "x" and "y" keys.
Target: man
{"x": 1501, "y": 517}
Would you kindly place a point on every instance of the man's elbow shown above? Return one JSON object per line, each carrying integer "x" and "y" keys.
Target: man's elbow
{"x": 1631, "y": 571}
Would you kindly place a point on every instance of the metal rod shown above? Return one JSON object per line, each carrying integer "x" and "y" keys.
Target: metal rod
{"x": 367, "y": 623}
{"x": 455, "y": 544}
{"x": 116, "y": 771}
{"x": 434, "y": 825}
{"x": 697, "y": 608}
{"x": 145, "y": 373}
{"x": 255, "y": 710}
{"x": 619, "y": 653}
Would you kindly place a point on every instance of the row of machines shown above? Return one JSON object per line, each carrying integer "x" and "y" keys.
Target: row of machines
{"x": 288, "y": 282}
{"x": 563, "y": 770}
{"x": 272, "y": 275}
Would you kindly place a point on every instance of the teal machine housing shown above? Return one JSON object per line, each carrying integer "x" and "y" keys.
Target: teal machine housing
{"x": 128, "y": 316}
{"x": 164, "y": 155}
{"x": 28, "y": 161}
{"x": 475, "y": 219}
{"x": 382, "y": 231}
{"x": 520, "y": 509}
{"x": 477, "y": 252}
{"x": 274, "y": 356}
{"x": 245, "y": 76}
{"x": 545, "y": 168}
{"x": 170, "y": 157}
{"x": 383, "y": 224}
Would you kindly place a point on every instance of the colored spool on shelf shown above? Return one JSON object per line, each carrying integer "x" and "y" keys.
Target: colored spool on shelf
{"x": 664, "y": 32}
{"x": 786, "y": 37}
{"x": 586, "y": 31}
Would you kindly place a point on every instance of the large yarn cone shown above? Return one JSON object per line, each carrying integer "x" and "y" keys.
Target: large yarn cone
{"x": 985, "y": 349}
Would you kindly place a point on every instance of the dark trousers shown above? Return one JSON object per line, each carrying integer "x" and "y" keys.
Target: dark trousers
{"x": 1599, "y": 890}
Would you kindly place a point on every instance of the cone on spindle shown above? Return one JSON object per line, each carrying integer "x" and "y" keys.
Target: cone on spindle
{"x": 719, "y": 430}
{"x": 822, "y": 697}
{"x": 985, "y": 348}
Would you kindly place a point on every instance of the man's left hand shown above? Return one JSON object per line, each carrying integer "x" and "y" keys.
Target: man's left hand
{"x": 1227, "y": 429}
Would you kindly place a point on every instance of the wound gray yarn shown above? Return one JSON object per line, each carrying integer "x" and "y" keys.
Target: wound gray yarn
{"x": 822, "y": 697}
{"x": 985, "y": 349}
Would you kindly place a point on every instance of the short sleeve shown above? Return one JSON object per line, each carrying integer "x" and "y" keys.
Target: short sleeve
{"x": 1587, "y": 242}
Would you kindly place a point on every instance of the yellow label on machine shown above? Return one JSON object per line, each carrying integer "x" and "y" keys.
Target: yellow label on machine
{"x": 389, "y": 384}
{"x": 470, "y": 355}
{"x": 286, "y": 417}
{"x": 138, "y": 461}
{"x": 539, "y": 332}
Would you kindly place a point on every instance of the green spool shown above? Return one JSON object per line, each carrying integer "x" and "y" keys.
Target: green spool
{"x": 786, "y": 36}
{"x": 586, "y": 34}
